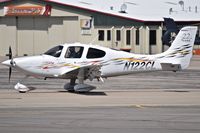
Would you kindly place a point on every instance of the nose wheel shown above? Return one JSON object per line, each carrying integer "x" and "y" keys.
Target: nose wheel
{"x": 21, "y": 88}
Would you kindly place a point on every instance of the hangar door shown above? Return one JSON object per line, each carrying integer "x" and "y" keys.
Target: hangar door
{"x": 7, "y": 35}
{"x": 37, "y": 34}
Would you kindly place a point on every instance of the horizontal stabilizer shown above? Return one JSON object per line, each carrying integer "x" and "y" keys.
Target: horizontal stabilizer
{"x": 170, "y": 67}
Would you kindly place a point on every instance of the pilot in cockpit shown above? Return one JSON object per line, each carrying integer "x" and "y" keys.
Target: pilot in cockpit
{"x": 74, "y": 52}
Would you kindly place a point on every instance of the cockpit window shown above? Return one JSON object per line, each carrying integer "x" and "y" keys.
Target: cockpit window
{"x": 95, "y": 53}
{"x": 55, "y": 51}
{"x": 74, "y": 52}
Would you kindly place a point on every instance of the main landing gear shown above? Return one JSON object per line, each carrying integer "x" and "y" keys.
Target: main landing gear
{"x": 79, "y": 87}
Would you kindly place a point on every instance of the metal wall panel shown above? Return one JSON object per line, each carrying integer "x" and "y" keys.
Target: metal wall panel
{"x": 25, "y": 35}
{"x": 41, "y": 38}
{"x": 34, "y": 35}
{"x": 7, "y": 34}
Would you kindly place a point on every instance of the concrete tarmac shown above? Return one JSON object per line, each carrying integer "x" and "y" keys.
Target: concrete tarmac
{"x": 161, "y": 102}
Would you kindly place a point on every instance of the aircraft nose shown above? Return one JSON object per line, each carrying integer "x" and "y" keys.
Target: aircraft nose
{"x": 7, "y": 63}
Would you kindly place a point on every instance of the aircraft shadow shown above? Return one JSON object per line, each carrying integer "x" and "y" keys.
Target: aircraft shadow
{"x": 32, "y": 88}
{"x": 96, "y": 93}
{"x": 91, "y": 93}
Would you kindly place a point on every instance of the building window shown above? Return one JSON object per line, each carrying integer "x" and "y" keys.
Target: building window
{"x": 137, "y": 37}
{"x": 128, "y": 37}
{"x": 101, "y": 35}
{"x": 152, "y": 37}
{"x": 118, "y": 35}
{"x": 108, "y": 35}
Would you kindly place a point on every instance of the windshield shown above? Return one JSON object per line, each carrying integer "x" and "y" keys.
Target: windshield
{"x": 55, "y": 51}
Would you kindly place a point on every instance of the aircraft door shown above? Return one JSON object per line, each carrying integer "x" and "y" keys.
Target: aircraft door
{"x": 73, "y": 54}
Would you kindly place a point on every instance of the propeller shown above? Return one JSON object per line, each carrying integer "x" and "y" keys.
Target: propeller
{"x": 10, "y": 71}
{"x": 11, "y": 62}
{"x": 10, "y": 53}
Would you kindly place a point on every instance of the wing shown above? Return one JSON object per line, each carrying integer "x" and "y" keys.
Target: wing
{"x": 87, "y": 72}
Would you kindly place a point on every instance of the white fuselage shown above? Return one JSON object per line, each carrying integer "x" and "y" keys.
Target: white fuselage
{"x": 114, "y": 62}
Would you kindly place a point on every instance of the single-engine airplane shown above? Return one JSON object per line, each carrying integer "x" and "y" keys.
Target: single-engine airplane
{"x": 81, "y": 61}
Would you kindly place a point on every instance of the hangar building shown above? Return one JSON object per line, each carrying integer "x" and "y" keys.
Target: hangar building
{"x": 31, "y": 27}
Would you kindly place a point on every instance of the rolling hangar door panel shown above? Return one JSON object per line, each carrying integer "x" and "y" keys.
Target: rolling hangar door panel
{"x": 7, "y": 35}
{"x": 63, "y": 30}
{"x": 72, "y": 25}
{"x": 37, "y": 34}
{"x": 41, "y": 38}
{"x": 25, "y": 35}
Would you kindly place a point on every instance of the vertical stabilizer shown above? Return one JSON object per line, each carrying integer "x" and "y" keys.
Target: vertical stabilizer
{"x": 180, "y": 51}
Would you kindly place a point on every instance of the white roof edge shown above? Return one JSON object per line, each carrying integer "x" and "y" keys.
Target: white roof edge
{"x": 160, "y": 9}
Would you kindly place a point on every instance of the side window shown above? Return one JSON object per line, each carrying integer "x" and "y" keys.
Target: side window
{"x": 74, "y": 52}
{"x": 95, "y": 53}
